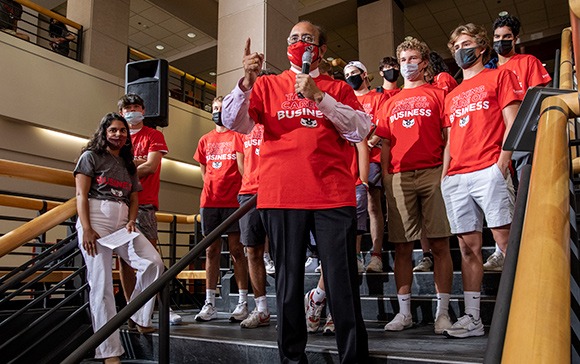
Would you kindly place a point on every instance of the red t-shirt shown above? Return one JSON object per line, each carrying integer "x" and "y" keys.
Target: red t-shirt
{"x": 413, "y": 123}
{"x": 389, "y": 93}
{"x": 528, "y": 69}
{"x": 145, "y": 141}
{"x": 303, "y": 158}
{"x": 251, "y": 150}
{"x": 222, "y": 179}
{"x": 474, "y": 111}
{"x": 372, "y": 103}
{"x": 445, "y": 81}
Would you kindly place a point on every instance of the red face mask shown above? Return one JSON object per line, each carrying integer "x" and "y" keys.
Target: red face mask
{"x": 296, "y": 50}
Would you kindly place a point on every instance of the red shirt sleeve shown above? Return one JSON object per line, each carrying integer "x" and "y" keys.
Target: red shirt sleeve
{"x": 158, "y": 142}
{"x": 200, "y": 151}
{"x": 509, "y": 88}
{"x": 537, "y": 74}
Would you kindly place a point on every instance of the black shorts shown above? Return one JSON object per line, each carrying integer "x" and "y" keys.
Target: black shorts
{"x": 252, "y": 231}
{"x": 147, "y": 221}
{"x": 212, "y": 217}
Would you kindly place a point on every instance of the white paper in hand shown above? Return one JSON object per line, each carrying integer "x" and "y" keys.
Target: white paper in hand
{"x": 118, "y": 238}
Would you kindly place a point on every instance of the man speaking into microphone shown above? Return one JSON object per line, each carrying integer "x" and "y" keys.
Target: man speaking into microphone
{"x": 306, "y": 184}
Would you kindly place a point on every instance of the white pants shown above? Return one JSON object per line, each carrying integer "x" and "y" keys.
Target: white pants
{"x": 107, "y": 217}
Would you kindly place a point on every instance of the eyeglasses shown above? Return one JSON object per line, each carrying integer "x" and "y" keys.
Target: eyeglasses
{"x": 306, "y": 38}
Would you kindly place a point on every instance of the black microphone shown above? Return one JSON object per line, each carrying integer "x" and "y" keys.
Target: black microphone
{"x": 306, "y": 61}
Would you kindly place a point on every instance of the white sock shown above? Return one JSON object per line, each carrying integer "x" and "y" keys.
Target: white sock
{"x": 210, "y": 296}
{"x": 404, "y": 304}
{"x": 472, "y": 300}
{"x": 261, "y": 304}
{"x": 442, "y": 304}
{"x": 319, "y": 295}
{"x": 243, "y": 296}
{"x": 267, "y": 256}
{"x": 498, "y": 250}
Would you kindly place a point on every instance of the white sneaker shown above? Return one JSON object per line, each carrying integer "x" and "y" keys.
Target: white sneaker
{"x": 318, "y": 269}
{"x": 375, "y": 264}
{"x": 328, "y": 328}
{"x": 269, "y": 265}
{"x": 494, "y": 262}
{"x": 256, "y": 319}
{"x": 240, "y": 312}
{"x": 399, "y": 323}
{"x": 360, "y": 263}
{"x": 313, "y": 311}
{"x": 466, "y": 326}
{"x": 174, "y": 319}
{"x": 442, "y": 323}
{"x": 207, "y": 313}
{"x": 310, "y": 265}
{"x": 425, "y": 265}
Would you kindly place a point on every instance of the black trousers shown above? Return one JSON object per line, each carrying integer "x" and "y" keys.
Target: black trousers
{"x": 335, "y": 234}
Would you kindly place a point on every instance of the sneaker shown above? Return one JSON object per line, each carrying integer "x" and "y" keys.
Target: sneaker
{"x": 256, "y": 319}
{"x": 425, "y": 265}
{"x": 399, "y": 323}
{"x": 207, "y": 313}
{"x": 494, "y": 262}
{"x": 375, "y": 265}
{"x": 318, "y": 269}
{"x": 313, "y": 311}
{"x": 442, "y": 323}
{"x": 240, "y": 312}
{"x": 328, "y": 329}
{"x": 269, "y": 265}
{"x": 466, "y": 326}
{"x": 360, "y": 263}
{"x": 174, "y": 319}
{"x": 310, "y": 265}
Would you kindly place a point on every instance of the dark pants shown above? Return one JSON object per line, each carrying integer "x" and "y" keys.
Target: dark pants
{"x": 335, "y": 234}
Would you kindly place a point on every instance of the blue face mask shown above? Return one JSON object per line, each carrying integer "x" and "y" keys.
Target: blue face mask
{"x": 216, "y": 117}
{"x": 134, "y": 117}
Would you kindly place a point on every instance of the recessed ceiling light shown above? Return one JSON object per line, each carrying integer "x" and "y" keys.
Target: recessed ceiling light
{"x": 503, "y": 13}
{"x": 160, "y": 47}
{"x": 543, "y": 64}
{"x": 212, "y": 73}
{"x": 330, "y": 59}
{"x": 191, "y": 35}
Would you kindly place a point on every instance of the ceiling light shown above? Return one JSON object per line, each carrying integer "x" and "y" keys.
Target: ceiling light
{"x": 191, "y": 35}
{"x": 330, "y": 59}
{"x": 160, "y": 47}
{"x": 212, "y": 73}
{"x": 503, "y": 13}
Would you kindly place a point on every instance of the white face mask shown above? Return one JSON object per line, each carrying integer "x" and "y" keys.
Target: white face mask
{"x": 133, "y": 117}
{"x": 410, "y": 71}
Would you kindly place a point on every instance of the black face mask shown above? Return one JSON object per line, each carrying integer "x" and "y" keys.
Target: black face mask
{"x": 465, "y": 57}
{"x": 355, "y": 81}
{"x": 391, "y": 75}
{"x": 216, "y": 117}
{"x": 503, "y": 47}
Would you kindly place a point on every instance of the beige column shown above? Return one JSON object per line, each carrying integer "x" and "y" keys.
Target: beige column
{"x": 105, "y": 32}
{"x": 266, "y": 23}
{"x": 380, "y": 30}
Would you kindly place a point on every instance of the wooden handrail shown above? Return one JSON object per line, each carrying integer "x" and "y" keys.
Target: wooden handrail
{"x": 177, "y": 71}
{"x": 36, "y": 173}
{"x": 538, "y": 329}
{"x": 27, "y": 203}
{"x": 24, "y": 233}
{"x": 49, "y": 13}
{"x": 566, "y": 60}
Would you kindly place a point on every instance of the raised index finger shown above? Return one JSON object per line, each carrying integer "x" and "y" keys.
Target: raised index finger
{"x": 247, "y": 48}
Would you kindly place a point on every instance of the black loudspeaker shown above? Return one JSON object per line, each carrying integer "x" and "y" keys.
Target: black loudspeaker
{"x": 148, "y": 79}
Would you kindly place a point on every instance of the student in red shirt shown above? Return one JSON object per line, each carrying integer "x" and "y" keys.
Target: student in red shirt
{"x": 389, "y": 71}
{"x": 477, "y": 182}
{"x": 149, "y": 147}
{"x": 221, "y": 167}
{"x": 356, "y": 76}
{"x": 415, "y": 134}
{"x": 306, "y": 185}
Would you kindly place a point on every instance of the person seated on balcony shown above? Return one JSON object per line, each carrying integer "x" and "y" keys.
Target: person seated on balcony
{"x": 10, "y": 13}
{"x": 106, "y": 190}
{"x": 221, "y": 166}
{"x": 60, "y": 37}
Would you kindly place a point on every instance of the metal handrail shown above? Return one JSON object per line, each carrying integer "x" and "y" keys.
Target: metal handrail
{"x": 159, "y": 285}
{"x": 542, "y": 282}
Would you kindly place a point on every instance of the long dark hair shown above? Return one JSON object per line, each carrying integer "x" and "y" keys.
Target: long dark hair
{"x": 98, "y": 142}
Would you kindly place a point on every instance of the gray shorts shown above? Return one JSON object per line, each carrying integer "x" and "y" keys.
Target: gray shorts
{"x": 212, "y": 217}
{"x": 252, "y": 231}
{"x": 147, "y": 221}
{"x": 362, "y": 204}
{"x": 375, "y": 175}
